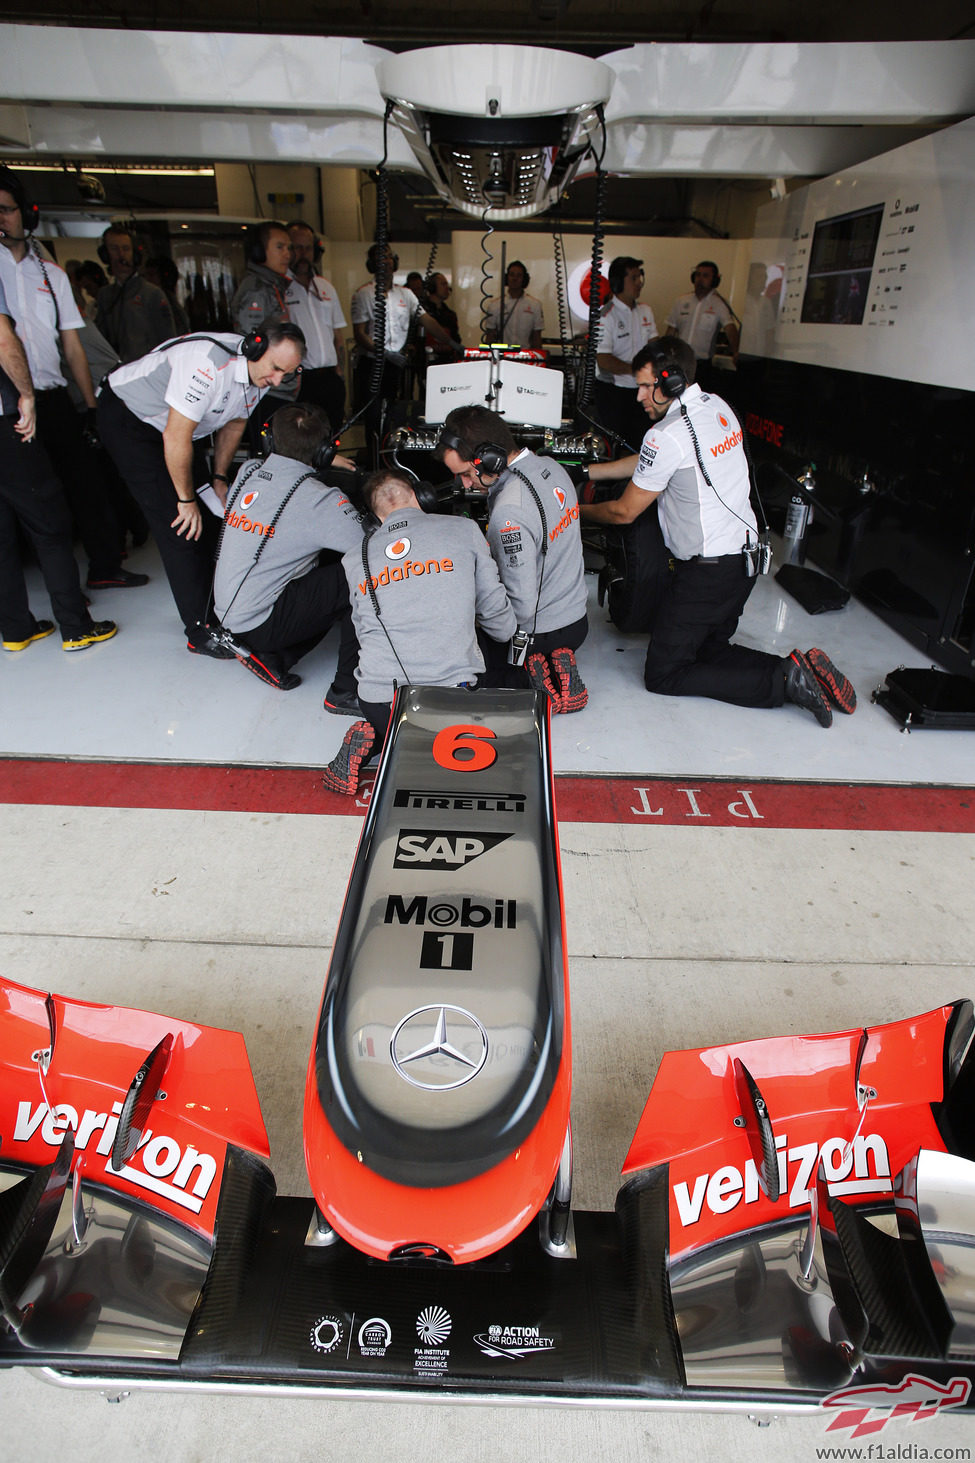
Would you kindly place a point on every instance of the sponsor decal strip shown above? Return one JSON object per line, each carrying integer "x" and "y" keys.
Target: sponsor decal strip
{"x": 675, "y": 801}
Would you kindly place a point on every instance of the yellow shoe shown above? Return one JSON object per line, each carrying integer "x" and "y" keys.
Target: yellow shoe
{"x": 42, "y": 628}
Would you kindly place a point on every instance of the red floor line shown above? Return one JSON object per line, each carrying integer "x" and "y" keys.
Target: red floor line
{"x": 742, "y": 803}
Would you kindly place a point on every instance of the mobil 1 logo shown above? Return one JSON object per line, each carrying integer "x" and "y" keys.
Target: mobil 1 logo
{"x": 449, "y": 945}
{"x": 426, "y": 848}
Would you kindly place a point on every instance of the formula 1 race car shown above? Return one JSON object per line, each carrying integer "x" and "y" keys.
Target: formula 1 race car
{"x": 796, "y": 1223}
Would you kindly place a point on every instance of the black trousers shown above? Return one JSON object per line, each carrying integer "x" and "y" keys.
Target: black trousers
{"x": 690, "y": 652}
{"x": 60, "y": 429}
{"x": 303, "y": 614}
{"x": 497, "y": 671}
{"x": 31, "y": 496}
{"x": 137, "y": 450}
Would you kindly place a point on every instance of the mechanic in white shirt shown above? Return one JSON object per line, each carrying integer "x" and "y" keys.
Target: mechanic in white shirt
{"x": 152, "y": 411}
{"x": 313, "y": 305}
{"x": 625, "y": 328}
{"x": 516, "y": 318}
{"x": 47, "y": 320}
{"x": 697, "y": 317}
{"x": 402, "y": 308}
{"x": 693, "y": 461}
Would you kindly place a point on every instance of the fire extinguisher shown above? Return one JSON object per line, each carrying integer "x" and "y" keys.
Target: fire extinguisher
{"x": 799, "y": 516}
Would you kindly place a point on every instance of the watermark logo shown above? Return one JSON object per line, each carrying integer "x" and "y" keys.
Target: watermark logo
{"x": 862, "y": 1411}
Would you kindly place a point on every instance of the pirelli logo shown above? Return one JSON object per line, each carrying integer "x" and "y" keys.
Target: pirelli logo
{"x": 481, "y": 802}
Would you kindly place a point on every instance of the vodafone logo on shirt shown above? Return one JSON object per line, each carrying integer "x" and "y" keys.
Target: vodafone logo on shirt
{"x": 559, "y": 497}
{"x": 248, "y": 499}
{"x": 398, "y": 550}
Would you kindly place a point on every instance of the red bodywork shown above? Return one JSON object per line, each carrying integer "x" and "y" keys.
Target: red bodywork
{"x": 210, "y": 1103}
{"x": 809, "y": 1087}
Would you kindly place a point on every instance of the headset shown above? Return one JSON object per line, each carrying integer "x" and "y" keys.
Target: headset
{"x": 373, "y": 257}
{"x": 29, "y": 212}
{"x": 707, "y": 264}
{"x": 317, "y": 249}
{"x": 618, "y": 269}
{"x": 517, "y": 264}
{"x": 487, "y": 459}
{"x": 255, "y": 243}
{"x": 138, "y": 253}
{"x": 251, "y": 346}
{"x": 671, "y": 379}
{"x": 322, "y": 457}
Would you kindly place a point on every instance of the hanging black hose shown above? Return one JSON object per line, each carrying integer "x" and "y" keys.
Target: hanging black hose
{"x": 431, "y": 261}
{"x": 569, "y": 361}
{"x": 587, "y": 384}
{"x": 485, "y": 272}
{"x": 381, "y": 245}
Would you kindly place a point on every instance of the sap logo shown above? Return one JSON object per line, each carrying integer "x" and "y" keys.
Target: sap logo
{"x": 845, "y": 1165}
{"x": 503, "y": 915}
{"x": 161, "y": 1157}
{"x": 419, "y": 848}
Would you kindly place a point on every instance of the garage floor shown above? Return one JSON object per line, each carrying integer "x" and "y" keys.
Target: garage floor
{"x": 727, "y": 873}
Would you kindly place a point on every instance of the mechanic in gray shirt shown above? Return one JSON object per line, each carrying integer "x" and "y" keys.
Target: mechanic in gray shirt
{"x": 533, "y": 531}
{"x": 420, "y": 585}
{"x": 270, "y": 590}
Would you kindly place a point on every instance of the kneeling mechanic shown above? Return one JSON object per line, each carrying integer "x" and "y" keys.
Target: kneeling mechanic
{"x": 270, "y": 589}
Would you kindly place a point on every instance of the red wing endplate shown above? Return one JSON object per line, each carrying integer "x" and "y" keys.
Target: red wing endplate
{"x": 857, "y": 1104}
{"x": 96, "y": 1072}
{"x": 437, "y": 1099}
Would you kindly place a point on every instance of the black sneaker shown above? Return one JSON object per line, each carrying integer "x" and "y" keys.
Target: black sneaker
{"x": 342, "y": 773}
{"x": 837, "y": 686}
{"x": 118, "y": 579}
{"x": 279, "y": 679}
{"x": 97, "y": 630}
{"x": 802, "y": 688}
{"x": 42, "y": 628}
{"x": 342, "y": 703}
{"x": 210, "y": 642}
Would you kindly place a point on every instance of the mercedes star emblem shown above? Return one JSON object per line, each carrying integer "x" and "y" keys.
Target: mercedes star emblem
{"x": 439, "y": 1047}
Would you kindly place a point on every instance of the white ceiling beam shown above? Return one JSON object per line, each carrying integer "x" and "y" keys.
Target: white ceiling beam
{"x": 651, "y": 148}
{"x": 119, "y": 133}
{"x": 878, "y": 82}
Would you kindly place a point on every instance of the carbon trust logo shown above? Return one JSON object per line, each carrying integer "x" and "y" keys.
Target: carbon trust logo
{"x": 866, "y": 1410}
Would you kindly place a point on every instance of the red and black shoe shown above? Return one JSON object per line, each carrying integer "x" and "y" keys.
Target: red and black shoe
{"x": 836, "y": 685}
{"x": 573, "y": 693}
{"x": 281, "y": 680}
{"x": 541, "y": 679}
{"x": 342, "y": 773}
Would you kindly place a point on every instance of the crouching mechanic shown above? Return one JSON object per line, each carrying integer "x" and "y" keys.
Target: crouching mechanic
{"x": 693, "y": 460}
{"x": 269, "y": 589}
{"x": 152, "y": 411}
{"x": 420, "y": 584}
{"x": 533, "y": 531}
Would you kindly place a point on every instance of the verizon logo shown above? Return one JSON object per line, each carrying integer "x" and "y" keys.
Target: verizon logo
{"x": 167, "y": 1169}
{"x": 860, "y": 1167}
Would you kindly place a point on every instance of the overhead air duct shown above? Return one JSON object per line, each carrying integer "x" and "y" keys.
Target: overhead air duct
{"x": 497, "y": 126}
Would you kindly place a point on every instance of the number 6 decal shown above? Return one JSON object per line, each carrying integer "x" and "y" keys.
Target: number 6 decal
{"x": 464, "y": 748}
